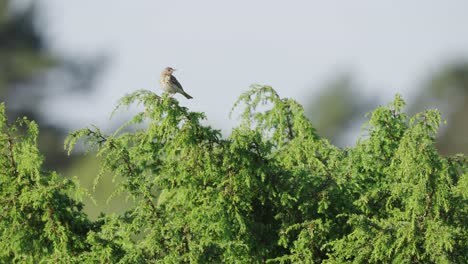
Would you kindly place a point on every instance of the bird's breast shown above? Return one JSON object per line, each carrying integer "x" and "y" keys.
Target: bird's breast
{"x": 166, "y": 85}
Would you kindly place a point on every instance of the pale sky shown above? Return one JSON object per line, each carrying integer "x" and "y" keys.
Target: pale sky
{"x": 221, "y": 48}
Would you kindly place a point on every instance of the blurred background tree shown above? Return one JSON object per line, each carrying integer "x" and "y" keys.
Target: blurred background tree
{"x": 339, "y": 108}
{"x": 447, "y": 90}
{"x": 30, "y": 73}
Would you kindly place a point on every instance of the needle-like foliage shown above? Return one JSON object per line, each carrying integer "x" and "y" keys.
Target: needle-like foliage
{"x": 39, "y": 219}
{"x": 272, "y": 191}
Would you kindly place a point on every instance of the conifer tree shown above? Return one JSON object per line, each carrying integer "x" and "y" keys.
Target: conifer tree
{"x": 39, "y": 220}
{"x": 273, "y": 191}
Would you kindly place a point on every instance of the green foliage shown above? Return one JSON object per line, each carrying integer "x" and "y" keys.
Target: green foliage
{"x": 39, "y": 221}
{"x": 407, "y": 198}
{"x": 273, "y": 191}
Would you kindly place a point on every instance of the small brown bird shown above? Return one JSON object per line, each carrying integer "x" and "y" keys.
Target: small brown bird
{"x": 170, "y": 84}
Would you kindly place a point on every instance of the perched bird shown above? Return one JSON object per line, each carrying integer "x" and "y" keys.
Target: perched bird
{"x": 170, "y": 84}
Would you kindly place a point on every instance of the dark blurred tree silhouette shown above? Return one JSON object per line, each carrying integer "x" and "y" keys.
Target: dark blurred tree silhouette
{"x": 30, "y": 72}
{"x": 338, "y": 107}
{"x": 22, "y": 51}
{"x": 447, "y": 90}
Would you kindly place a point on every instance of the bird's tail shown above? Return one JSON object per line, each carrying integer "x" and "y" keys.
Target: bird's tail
{"x": 186, "y": 95}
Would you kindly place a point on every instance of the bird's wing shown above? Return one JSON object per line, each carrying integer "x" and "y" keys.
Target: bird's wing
{"x": 176, "y": 82}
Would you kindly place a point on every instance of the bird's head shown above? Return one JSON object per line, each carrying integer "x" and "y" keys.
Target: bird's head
{"x": 168, "y": 70}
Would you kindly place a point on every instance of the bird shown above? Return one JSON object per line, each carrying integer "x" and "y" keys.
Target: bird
{"x": 170, "y": 84}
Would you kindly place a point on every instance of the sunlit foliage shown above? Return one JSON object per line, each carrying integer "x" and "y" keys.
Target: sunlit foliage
{"x": 272, "y": 191}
